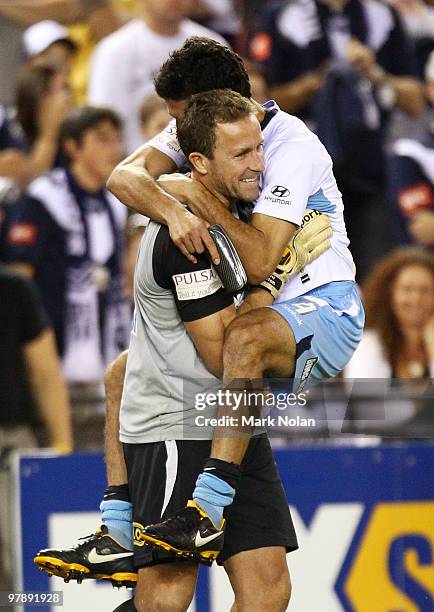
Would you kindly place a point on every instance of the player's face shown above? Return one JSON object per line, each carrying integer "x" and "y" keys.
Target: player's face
{"x": 238, "y": 159}
{"x": 100, "y": 150}
{"x": 413, "y": 297}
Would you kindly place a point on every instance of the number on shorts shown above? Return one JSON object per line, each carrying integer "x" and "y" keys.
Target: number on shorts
{"x": 304, "y": 307}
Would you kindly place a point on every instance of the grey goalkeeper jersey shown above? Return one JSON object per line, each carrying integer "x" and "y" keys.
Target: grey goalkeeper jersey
{"x": 164, "y": 372}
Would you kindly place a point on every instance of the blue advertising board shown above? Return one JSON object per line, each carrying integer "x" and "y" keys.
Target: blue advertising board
{"x": 364, "y": 518}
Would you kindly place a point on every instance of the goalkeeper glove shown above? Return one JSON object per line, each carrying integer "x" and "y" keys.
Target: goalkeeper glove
{"x": 230, "y": 269}
{"x": 307, "y": 244}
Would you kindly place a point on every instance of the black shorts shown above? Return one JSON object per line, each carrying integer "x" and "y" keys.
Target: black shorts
{"x": 162, "y": 477}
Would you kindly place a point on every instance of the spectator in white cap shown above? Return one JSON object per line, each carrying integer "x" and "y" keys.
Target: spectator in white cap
{"x": 15, "y": 16}
{"x": 49, "y": 42}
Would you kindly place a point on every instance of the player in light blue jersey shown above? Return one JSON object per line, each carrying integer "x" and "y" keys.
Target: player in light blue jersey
{"x": 297, "y": 180}
{"x": 316, "y": 322}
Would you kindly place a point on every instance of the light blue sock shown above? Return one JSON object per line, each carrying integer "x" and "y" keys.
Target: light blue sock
{"x": 213, "y": 494}
{"x": 117, "y": 516}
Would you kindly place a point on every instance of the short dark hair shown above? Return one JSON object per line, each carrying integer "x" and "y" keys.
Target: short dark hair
{"x": 85, "y": 118}
{"x": 200, "y": 65}
{"x": 197, "y": 123}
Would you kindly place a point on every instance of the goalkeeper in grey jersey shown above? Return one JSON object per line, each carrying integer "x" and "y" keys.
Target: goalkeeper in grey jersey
{"x": 175, "y": 296}
{"x": 115, "y": 517}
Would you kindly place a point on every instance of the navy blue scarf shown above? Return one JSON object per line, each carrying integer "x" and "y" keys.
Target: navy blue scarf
{"x": 113, "y": 294}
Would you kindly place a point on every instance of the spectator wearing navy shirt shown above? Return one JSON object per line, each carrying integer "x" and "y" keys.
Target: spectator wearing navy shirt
{"x": 344, "y": 66}
{"x": 411, "y": 180}
{"x": 28, "y": 358}
{"x": 66, "y": 233}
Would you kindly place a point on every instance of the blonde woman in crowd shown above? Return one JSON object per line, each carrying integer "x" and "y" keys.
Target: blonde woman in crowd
{"x": 399, "y": 334}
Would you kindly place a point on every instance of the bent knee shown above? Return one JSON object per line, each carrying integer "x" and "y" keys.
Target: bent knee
{"x": 249, "y": 330}
{"x": 266, "y": 597}
{"x": 241, "y": 335}
{"x": 162, "y": 600}
{"x": 260, "y": 336}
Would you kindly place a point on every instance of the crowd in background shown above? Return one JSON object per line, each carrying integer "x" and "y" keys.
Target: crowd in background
{"x": 77, "y": 95}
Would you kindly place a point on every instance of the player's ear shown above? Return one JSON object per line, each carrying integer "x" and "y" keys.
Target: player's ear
{"x": 199, "y": 162}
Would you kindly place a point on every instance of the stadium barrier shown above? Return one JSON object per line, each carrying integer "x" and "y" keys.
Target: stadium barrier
{"x": 364, "y": 518}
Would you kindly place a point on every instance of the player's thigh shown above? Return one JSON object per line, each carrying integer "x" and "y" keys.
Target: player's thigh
{"x": 262, "y": 334}
{"x": 168, "y": 586}
{"x": 260, "y": 578}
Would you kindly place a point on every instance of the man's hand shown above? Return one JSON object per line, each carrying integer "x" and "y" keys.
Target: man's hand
{"x": 421, "y": 227}
{"x": 188, "y": 231}
{"x": 190, "y": 234}
{"x": 53, "y": 109}
{"x": 307, "y": 244}
{"x": 231, "y": 270}
{"x": 191, "y": 193}
{"x": 177, "y": 185}
{"x": 407, "y": 91}
{"x": 361, "y": 57}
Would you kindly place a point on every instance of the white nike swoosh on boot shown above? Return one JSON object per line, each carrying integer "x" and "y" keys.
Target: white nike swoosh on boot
{"x": 95, "y": 557}
{"x": 200, "y": 541}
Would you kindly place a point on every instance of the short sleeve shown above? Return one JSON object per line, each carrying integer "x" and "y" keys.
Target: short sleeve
{"x": 29, "y": 309}
{"x": 26, "y": 231}
{"x": 287, "y": 180}
{"x": 197, "y": 288}
{"x": 167, "y": 142}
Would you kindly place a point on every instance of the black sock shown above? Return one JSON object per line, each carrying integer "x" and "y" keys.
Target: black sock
{"x": 229, "y": 472}
{"x": 117, "y": 492}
